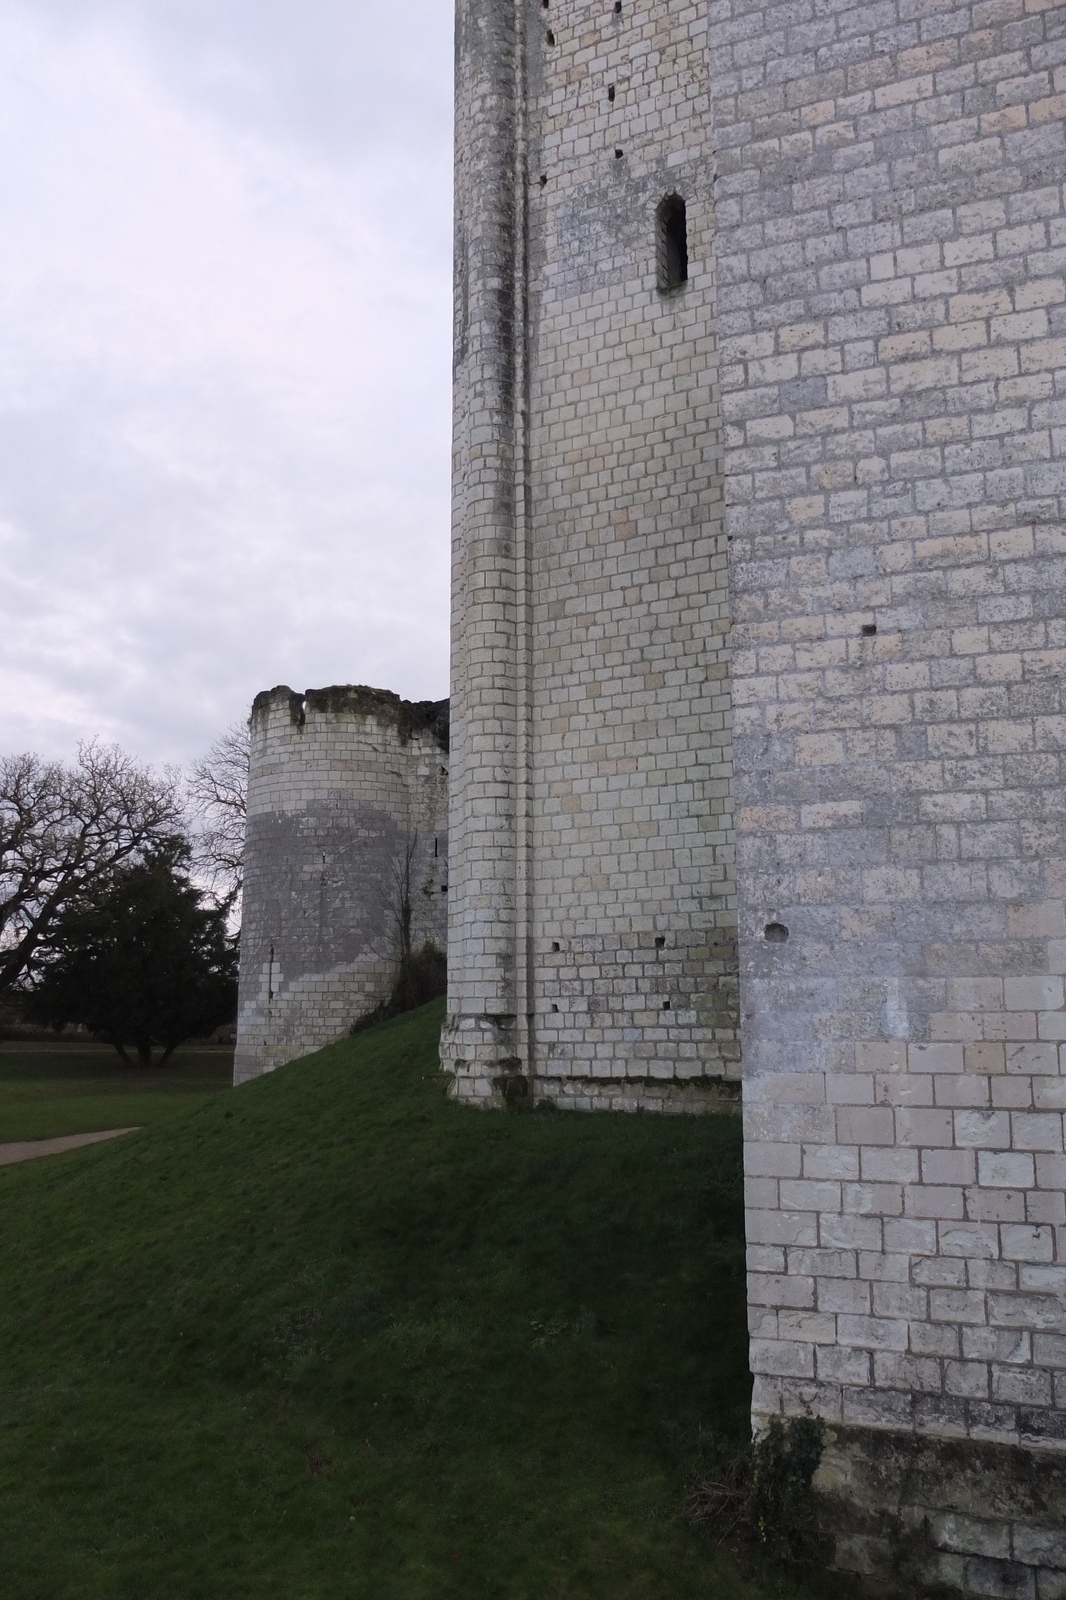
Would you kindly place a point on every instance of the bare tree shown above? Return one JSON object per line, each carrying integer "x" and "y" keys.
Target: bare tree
{"x": 217, "y": 795}
{"x": 419, "y": 974}
{"x": 63, "y": 831}
{"x": 401, "y": 867}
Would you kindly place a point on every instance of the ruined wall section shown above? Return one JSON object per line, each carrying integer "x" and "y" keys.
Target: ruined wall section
{"x": 892, "y": 289}
{"x": 599, "y": 753}
{"x": 345, "y": 785}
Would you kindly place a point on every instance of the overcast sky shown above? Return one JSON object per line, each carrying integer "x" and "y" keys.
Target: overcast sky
{"x": 225, "y": 279}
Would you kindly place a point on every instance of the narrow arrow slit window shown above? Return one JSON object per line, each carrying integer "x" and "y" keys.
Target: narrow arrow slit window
{"x": 671, "y": 243}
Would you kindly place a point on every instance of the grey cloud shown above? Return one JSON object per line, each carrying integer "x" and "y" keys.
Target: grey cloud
{"x": 345, "y": 75}
{"x": 223, "y": 427}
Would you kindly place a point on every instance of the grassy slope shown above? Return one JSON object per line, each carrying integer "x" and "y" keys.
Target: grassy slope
{"x": 332, "y": 1335}
{"x": 46, "y": 1090}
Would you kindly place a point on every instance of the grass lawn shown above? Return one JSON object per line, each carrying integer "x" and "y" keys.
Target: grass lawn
{"x": 331, "y": 1335}
{"x": 51, "y": 1089}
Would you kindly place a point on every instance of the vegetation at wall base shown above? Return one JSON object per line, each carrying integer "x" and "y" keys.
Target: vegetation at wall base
{"x": 331, "y": 1334}
{"x": 761, "y": 1504}
{"x": 422, "y": 976}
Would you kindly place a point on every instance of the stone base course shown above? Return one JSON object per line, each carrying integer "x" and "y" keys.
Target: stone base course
{"x": 922, "y": 1516}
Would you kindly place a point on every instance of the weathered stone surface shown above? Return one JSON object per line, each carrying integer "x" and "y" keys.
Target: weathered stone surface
{"x": 592, "y": 939}
{"x": 345, "y": 784}
{"x": 891, "y": 247}
{"x": 914, "y": 1512}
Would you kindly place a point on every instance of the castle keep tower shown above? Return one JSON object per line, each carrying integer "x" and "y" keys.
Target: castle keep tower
{"x": 592, "y": 934}
{"x": 347, "y": 800}
{"x": 864, "y": 203}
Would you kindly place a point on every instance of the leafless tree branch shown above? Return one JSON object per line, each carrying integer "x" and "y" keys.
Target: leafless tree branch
{"x": 63, "y": 829}
{"x": 216, "y": 790}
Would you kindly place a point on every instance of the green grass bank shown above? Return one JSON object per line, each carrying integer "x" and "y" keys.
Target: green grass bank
{"x": 331, "y": 1335}
{"x": 51, "y": 1089}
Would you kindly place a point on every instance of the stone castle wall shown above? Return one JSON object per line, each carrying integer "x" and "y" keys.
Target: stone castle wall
{"x": 896, "y": 476}
{"x": 891, "y": 247}
{"x": 346, "y": 785}
{"x": 870, "y": 354}
{"x": 593, "y": 927}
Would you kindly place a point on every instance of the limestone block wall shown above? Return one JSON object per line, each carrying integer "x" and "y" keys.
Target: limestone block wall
{"x": 347, "y": 797}
{"x": 891, "y": 257}
{"x": 593, "y": 924}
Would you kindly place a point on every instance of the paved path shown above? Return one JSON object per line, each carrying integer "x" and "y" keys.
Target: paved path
{"x": 53, "y": 1147}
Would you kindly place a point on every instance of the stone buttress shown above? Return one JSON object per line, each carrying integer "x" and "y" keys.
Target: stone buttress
{"x": 592, "y": 935}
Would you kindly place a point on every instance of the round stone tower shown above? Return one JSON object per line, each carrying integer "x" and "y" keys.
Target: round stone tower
{"x": 346, "y": 862}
